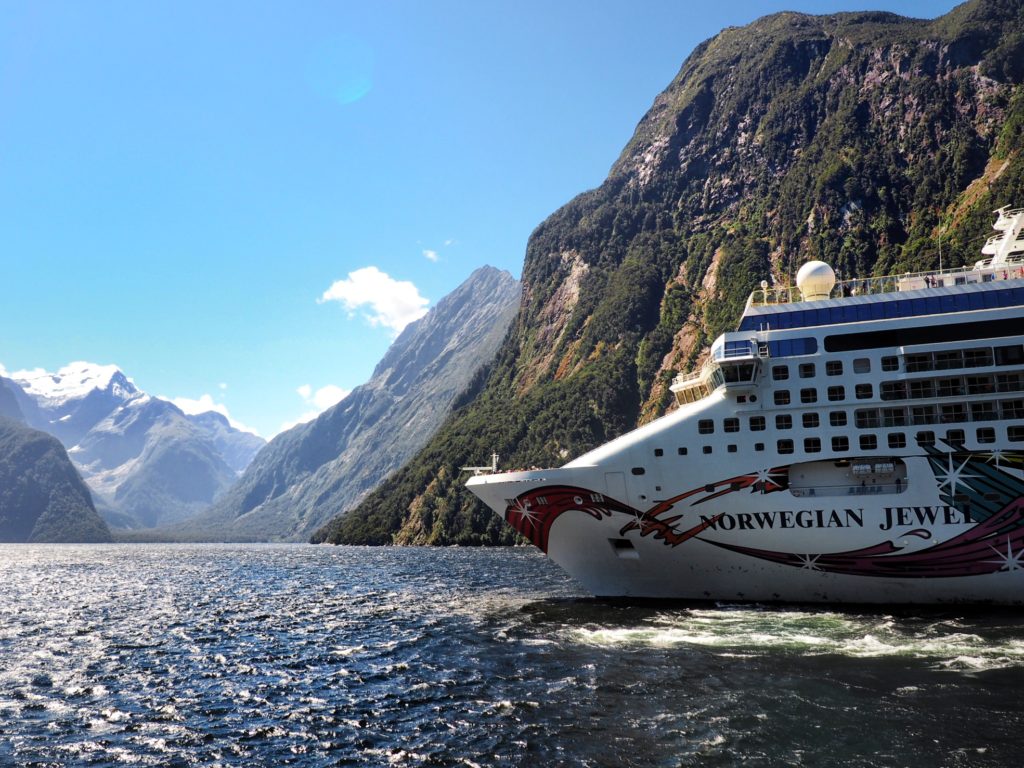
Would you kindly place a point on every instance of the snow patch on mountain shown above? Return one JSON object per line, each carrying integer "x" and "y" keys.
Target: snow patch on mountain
{"x": 73, "y": 382}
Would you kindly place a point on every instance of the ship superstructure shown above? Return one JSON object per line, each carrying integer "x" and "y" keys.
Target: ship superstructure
{"x": 858, "y": 441}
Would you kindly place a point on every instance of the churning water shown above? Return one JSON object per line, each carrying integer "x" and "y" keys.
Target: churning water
{"x": 315, "y": 656}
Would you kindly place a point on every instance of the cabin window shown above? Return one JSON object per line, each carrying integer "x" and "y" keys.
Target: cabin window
{"x": 1012, "y": 355}
{"x": 986, "y": 435}
{"x": 812, "y": 445}
{"x": 806, "y": 370}
{"x": 836, "y": 393}
{"x": 837, "y": 418}
{"x": 1009, "y": 382}
{"x": 682, "y": 451}
{"x": 638, "y": 470}
{"x": 925, "y": 438}
{"x": 923, "y": 414}
{"x": 922, "y": 389}
{"x": 890, "y": 363}
{"x": 955, "y": 437}
{"x": 980, "y": 385}
{"x": 784, "y": 446}
{"x": 811, "y": 420}
{"x": 977, "y": 358}
{"x": 1015, "y": 434}
{"x": 952, "y": 412}
{"x": 862, "y": 365}
{"x": 809, "y": 395}
{"x": 705, "y": 426}
{"x": 757, "y": 424}
{"x": 758, "y": 446}
{"x": 840, "y": 443}
{"x": 709, "y": 488}
{"x": 782, "y": 397}
{"x": 866, "y": 418}
{"x": 894, "y": 390}
{"x": 834, "y": 368}
{"x": 894, "y": 417}
{"x": 731, "y": 448}
{"x": 945, "y": 361}
{"x": 659, "y": 452}
{"x": 897, "y": 440}
{"x": 707, "y": 449}
{"x": 983, "y": 411}
{"x": 783, "y": 421}
{"x": 731, "y": 425}
{"x": 780, "y": 372}
{"x": 868, "y": 442}
{"x": 950, "y": 387}
{"x": 863, "y": 391}
{"x": 1012, "y": 409}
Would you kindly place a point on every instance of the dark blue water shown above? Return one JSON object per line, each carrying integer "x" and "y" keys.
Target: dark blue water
{"x": 315, "y": 656}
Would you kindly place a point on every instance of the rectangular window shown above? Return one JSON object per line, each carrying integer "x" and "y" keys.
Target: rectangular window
{"x": 840, "y": 443}
{"x": 897, "y": 440}
{"x": 949, "y": 387}
{"x": 834, "y": 368}
{"x": 780, "y": 372}
{"x": 758, "y": 446}
{"x": 922, "y": 389}
{"x": 925, "y": 438}
{"x": 952, "y": 412}
{"x": 1012, "y": 409}
{"x": 894, "y": 417}
{"x": 1015, "y": 434}
{"x": 808, "y": 395}
{"x": 894, "y": 390}
{"x": 977, "y": 358}
{"x": 659, "y": 452}
{"x": 924, "y": 414}
{"x": 782, "y": 397}
{"x": 731, "y": 448}
{"x": 986, "y": 435}
{"x": 706, "y": 426}
{"x": 890, "y": 363}
{"x": 681, "y": 451}
{"x": 811, "y": 421}
{"x": 784, "y": 446}
{"x": 731, "y": 425}
{"x": 868, "y": 442}
{"x": 980, "y": 385}
{"x": 955, "y": 437}
{"x": 984, "y": 411}
{"x": 707, "y": 449}
{"x": 757, "y": 424}
{"x": 806, "y": 370}
{"x": 812, "y": 445}
{"x": 919, "y": 363}
{"x": 862, "y": 365}
{"x": 863, "y": 391}
{"x": 945, "y": 361}
{"x": 866, "y": 418}
{"x": 1011, "y": 355}
{"x": 1009, "y": 382}
{"x": 836, "y": 393}
{"x": 783, "y": 421}
{"x": 837, "y": 418}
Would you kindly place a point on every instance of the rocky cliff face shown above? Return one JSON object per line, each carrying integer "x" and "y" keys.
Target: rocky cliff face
{"x": 42, "y": 497}
{"x": 317, "y": 470}
{"x": 862, "y": 139}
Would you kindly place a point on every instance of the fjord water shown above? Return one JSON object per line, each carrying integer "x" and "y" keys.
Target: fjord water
{"x": 308, "y": 656}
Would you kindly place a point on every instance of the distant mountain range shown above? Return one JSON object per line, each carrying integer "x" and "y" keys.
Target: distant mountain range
{"x": 311, "y": 473}
{"x": 146, "y": 462}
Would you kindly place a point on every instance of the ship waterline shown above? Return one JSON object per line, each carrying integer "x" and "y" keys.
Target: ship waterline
{"x": 858, "y": 449}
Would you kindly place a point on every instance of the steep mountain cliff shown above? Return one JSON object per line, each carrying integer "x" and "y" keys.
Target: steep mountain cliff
{"x": 146, "y": 461}
{"x": 863, "y": 139}
{"x": 42, "y": 498}
{"x": 316, "y": 470}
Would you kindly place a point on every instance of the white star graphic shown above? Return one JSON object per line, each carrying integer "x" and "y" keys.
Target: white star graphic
{"x": 809, "y": 562}
{"x": 1009, "y": 561}
{"x": 764, "y": 477}
{"x": 955, "y": 476}
{"x": 998, "y": 454}
{"x": 526, "y": 514}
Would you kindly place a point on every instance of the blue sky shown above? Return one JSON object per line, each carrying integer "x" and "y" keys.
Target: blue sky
{"x": 202, "y": 193}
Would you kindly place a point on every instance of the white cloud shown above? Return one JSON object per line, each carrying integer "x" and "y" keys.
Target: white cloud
{"x": 388, "y": 302}
{"x": 223, "y": 385}
{"x": 204, "y": 404}
{"x": 430, "y": 255}
{"x": 450, "y": 241}
{"x": 318, "y": 401}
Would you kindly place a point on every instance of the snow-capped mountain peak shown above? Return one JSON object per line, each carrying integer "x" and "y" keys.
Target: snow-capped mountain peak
{"x": 74, "y": 381}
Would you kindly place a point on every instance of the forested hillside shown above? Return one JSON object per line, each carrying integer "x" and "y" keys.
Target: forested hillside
{"x": 864, "y": 139}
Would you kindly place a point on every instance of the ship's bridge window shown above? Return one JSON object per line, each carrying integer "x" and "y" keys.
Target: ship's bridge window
{"x": 1011, "y": 355}
{"x": 782, "y": 397}
{"x": 731, "y": 425}
{"x": 811, "y": 421}
{"x": 793, "y": 347}
{"x": 1015, "y": 434}
{"x": 780, "y": 372}
{"x": 806, "y": 370}
{"x": 757, "y": 424}
{"x": 863, "y": 391}
{"x": 925, "y": 438}
{"x": 783, "y": 421}
{"x": 862, "y": 365}
{"x": 837, "y": 418}
{"x": 986, "y": 435}
{"x": 834, "y": 368}
{"x": 734, "y": 373}
{"x": 868, "y": 442}
{"x": 836, "y": 393}
{"x": 706, "y": 426}
{"x": 890, "y": 363}
{"x": 841, "y": 443}
{"x": 808, "y": 395}
{"x": 897, "y": 440}
{"x": 812, "y": 444}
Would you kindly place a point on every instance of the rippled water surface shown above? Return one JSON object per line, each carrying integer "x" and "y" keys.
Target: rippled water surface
{"x": 310, "y": 656}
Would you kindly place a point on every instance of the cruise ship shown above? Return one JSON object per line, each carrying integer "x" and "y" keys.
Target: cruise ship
{"x": 857, "y": 441}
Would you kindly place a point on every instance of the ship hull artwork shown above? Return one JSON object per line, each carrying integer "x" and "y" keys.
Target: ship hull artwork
{"x": 862, "y": 449}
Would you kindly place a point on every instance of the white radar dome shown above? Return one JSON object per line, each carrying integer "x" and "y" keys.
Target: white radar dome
{"x": 815, "y": 280}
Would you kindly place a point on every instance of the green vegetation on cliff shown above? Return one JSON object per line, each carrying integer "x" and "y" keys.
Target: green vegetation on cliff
{"x": 862, "y": 139}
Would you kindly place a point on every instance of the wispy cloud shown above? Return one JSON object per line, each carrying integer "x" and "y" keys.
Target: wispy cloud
{"x": 386, "y": 302}
{"x": 317, "y": 401}
{"x": 450, "y": 241}
{"x": 430, "y": 255}
{"x": 204, "y": 404}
